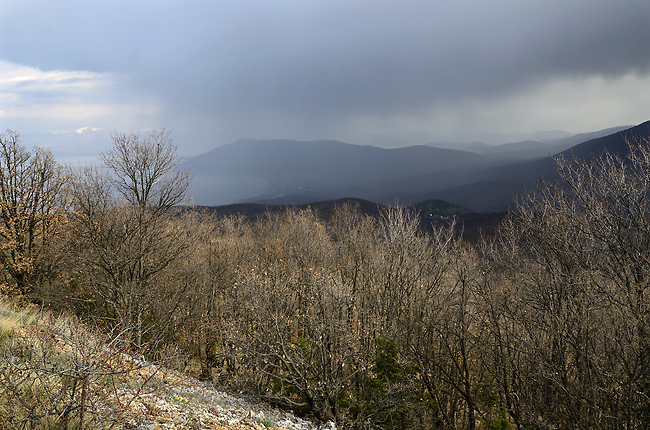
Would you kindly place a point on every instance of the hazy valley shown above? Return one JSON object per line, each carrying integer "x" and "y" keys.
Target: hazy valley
{"x": 480, "y": 177}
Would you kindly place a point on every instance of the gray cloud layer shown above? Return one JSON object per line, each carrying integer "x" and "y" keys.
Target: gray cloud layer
{"x": 319, "y": 69}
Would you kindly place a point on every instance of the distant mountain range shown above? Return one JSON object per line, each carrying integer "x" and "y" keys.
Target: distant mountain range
{"x": 480, "y": 177}
{"x": 287, "y": 171}
{"x": 495, "y": 187}
{"x": 528, "y": 149}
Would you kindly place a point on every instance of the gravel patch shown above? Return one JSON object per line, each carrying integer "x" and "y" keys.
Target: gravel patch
{"x": 187, "y": 403}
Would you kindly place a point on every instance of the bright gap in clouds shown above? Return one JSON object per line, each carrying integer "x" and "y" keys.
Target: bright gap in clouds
{"x": 576, "y": 104}
{"x": 16, "y": 75}
{"x": 68, "y": 100}
{"x": 573, "y": 104}
{"x": 85, "y": 129}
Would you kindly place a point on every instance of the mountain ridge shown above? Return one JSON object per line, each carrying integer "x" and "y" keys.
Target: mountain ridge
{"x": 267, "y": 169}
{"x": 290, "y": 171}
{"x": 511, "y": 179}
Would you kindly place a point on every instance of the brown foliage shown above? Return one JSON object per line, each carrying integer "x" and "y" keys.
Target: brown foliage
{"x": 33, "y": 205}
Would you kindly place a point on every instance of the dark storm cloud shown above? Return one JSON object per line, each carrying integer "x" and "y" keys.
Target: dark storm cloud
{"x": 321, "y": 64}
{"x": 477, "y": 49}
{"x": 278, "y": 67}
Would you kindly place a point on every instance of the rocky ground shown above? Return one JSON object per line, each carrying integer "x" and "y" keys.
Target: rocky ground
{"x": 180, "y": 402}
{"x": 42, "y": 359}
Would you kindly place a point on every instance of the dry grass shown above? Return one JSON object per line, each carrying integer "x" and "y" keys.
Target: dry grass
{"x": 13, "y": 317}
{"x": 56, "y": 372}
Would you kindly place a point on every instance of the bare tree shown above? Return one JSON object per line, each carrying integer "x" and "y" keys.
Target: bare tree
{"x": 573, "y": 333}
{"x": 144, "y": 171}
{"x": 125, "y": 215}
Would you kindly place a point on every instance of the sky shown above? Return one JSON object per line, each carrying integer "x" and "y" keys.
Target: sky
{"x": 385, "y": 71}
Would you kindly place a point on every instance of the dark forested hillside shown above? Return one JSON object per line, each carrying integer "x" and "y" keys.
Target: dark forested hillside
{"x": 432, "y": 213}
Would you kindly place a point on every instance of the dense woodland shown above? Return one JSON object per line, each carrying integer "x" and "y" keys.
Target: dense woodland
{"x": 371, "y": 321}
